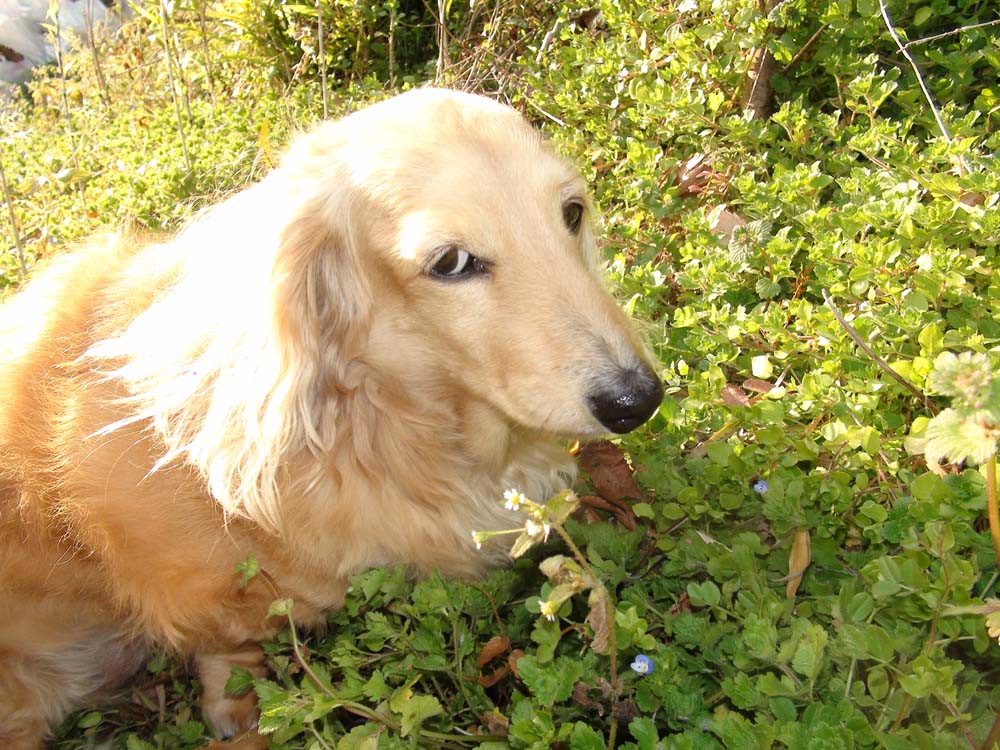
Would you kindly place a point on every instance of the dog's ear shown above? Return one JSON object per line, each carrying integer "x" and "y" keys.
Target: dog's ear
{"x": 322, "y": 308}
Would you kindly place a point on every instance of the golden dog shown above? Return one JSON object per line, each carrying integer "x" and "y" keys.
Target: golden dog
{"x": 342, "y": 366}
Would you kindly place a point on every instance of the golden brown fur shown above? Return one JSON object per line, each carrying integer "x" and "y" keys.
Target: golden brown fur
{"x": 285, "y": 378}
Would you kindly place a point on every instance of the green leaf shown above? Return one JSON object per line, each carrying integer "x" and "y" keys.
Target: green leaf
{"x": 280, "y": 608}
{"x": 807, "y": 659}
{"x": 552, "y": 682}
{"x": 705, "y": 594}
{"x": 90, "y": 719}
{"x": 248, "y": 569}
{"x": 584, "y": 738}
{"x": 643, "y": 730}
{"x": 416, "y": 710}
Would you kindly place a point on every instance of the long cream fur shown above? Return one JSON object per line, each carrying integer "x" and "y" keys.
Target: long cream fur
{"x": 285, "y": 378}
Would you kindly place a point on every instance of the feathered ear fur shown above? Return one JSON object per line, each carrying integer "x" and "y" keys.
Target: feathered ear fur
{"x": 322, "y": 312}
{"x": 239, "y": 362}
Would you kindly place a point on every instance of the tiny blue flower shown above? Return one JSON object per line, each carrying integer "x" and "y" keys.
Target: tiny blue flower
{"x": 760, "y": 486}
{"x": 642, "y": 664}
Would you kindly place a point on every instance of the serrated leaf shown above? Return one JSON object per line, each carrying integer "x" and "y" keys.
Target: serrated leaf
{"x": 417, "y": 710}
{"x": 643, "y": 730}
{"x": 807, "y": 659}
{"x": 280, "y": 608}
{"x": 767, "y": 289}
{"x": 584, "y": 738}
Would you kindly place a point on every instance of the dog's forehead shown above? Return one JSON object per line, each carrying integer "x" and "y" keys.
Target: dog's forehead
{"x": 432, "y": 133}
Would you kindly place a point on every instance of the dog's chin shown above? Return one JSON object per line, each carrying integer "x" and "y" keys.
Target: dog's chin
{"x": 568, "y": 429}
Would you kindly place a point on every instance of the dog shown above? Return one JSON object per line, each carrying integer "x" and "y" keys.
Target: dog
{"x": 342, "y": 366}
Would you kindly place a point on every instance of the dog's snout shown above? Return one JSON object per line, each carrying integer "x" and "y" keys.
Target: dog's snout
{"x": 628, "y": 401}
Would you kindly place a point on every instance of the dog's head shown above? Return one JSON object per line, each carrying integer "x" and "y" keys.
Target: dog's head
{"x": 440, "y": 238}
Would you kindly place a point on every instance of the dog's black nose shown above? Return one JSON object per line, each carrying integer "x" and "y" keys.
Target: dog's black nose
{"x": 628, "y": 402}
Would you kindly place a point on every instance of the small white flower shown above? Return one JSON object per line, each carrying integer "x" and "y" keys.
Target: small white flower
{"x": 477, "y": 538}
{"x": 549, "y": 610}
{"x": 512, "y": 499}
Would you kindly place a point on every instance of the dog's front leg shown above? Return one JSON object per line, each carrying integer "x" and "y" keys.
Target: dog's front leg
{"x": 229, "y": 715}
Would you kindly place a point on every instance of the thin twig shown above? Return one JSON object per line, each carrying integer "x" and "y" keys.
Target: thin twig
{"x": 322, "y": 59}
{"x": 920, "y": 78}
{"x": 173, "y": 91}
{"x": 804, "y": 48}
{"x": 209, "y": 75}
{"x": 8, "y": 199}
{"x": 959, "y": 30}
{"x": 871, "y": 353}
{"x": 92, "y": 43}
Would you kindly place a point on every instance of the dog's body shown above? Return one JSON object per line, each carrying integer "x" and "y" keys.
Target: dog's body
{"x": 340, "y": 367}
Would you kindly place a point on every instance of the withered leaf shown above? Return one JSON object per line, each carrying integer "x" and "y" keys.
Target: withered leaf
{"x": 722, "y": 223}
{"x": 598, "y": 620}
{"x": 495, "y": 723}
{"x": 495, "y": 646}
{"x": 623, "y": 513}
{"x": 581, "y": 695}
{"x": 693, "y": 175}
{"x": 798, "y": 561}
{"x": 512, "y": 660}
{"x": 733, "y": 395}
{"x": 491, "y": 679}
{"x": 757, "y": 385}
{"x": 609, "y": 471}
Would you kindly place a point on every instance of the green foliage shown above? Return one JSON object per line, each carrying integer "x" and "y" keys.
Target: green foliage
{"x": 849, "y": 186}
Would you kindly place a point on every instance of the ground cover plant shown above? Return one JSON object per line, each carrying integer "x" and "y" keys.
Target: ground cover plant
{"x": 796, "y": 552}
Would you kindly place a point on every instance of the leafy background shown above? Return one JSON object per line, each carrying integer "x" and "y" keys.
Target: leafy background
{"x": 747, "y": 156}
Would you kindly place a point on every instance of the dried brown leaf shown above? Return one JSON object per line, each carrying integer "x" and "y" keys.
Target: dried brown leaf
{"x": 495, "y": 646}
{"x": 609, "y": 471}
{"x": 512, "y": 660}
{"x": 798, "y": 561}
{"x": 491, "y": 679}
{"x": 581, "y": 695}
{"x": 693, "y": 175}
{"x": 757, "y": 385}
{"x": 624, "y": 515}
{"x": 733, "y": 395}
{"x": 722, "y": 222}
{"x": 598, "y": 620}
{"x": 495, "y": 723}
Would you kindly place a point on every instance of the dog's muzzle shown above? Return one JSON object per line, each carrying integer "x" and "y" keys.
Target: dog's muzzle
{"x": 628, "y": 401}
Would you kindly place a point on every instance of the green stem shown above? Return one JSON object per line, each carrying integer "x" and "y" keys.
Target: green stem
{"x": 612, "y": 630}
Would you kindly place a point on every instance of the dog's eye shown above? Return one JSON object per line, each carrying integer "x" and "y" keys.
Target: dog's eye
{"x": 573, "y": 215}
{"x": 456, "y": 263}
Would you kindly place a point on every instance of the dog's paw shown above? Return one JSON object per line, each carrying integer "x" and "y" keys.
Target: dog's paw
{"x": 229, "y": 715}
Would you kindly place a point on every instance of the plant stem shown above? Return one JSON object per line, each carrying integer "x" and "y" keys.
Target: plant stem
{"x": 13, "y": 223}
{"x": 904, "y": 49}
{"x": 991, "y": 505}
{"x": 173, "y": 87}
{"x": 994, "y": 735}
{"x": 856, "y": 337}
{"x": 322, "y": 59}
{"x": 612, "y": 630}
{"x": 92, "y": 43}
